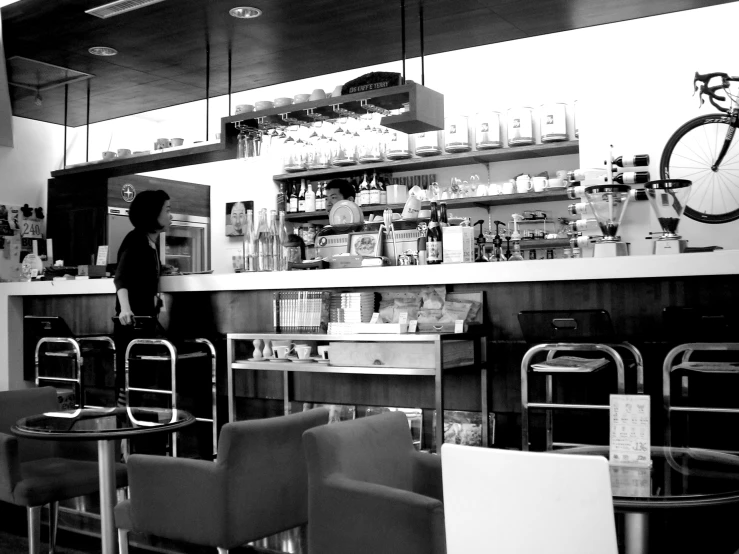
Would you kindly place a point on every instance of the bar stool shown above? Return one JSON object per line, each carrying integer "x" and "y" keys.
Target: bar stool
{"x": 705, "y": 344}
{"x": 583, "y": 331}
{"x": 61, "y": 343}
{"x": 176, "y": 387}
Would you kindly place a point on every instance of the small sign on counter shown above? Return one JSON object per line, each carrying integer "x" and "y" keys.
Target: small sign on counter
{"x": 630, "y": 438}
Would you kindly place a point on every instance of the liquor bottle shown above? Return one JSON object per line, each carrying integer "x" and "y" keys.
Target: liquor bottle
{"x": 274, "y": 241}
{"x": 480, "y": 244}
{"x": 320, "y": 205}
{"x": 249, "y": 243}
{"x": 281, "y": 198}
{"x": 383, "y": 189}
{"x": 264, "y": 248}
{"x": 516, "y": 255}
{"x": 586, "y": 175}
{"x": 282, "y": 238}
{"x": 434, "y": 241}
{"x": 579, "y": 208}
{"x": 443, "y": 220}
{"x": 374, "y": 191}
{"x": 310, "y": 199}
{"x": 364, "y": 193}
{"x": 301, "y": 196}
{"x": 639, "y": 160}
{"x": 294, "y": 199}
{"x": 631, "y": 177}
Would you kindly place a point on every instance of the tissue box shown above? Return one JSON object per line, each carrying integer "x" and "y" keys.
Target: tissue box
{"x": 459, "y": 245}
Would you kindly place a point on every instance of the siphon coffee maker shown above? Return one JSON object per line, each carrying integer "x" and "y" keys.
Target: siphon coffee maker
{"x": 608, "y": 204}
{"x": 668, "y": 198}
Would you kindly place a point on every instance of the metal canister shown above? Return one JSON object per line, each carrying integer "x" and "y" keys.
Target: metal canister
{"x": 487, "y": 131}
{"x": 553, "y": 121}
{"x": 520, "y": 126}
{"x": 456, "y": 134}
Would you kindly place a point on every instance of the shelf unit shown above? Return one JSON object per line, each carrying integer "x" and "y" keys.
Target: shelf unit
{"x": 433, "y": 340}
{"x": 471, "y": 202}
{"x": 425, "y": 110}
{"x": 443, "y": 160}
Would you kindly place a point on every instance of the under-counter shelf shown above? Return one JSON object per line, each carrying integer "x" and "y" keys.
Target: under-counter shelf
{"x": 477, "y": 358}
{"x": 443, "y": 160}
{"x": 551, "y": 195}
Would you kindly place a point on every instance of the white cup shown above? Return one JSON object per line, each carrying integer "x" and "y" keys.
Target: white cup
{"x": 318, "y": 94}
{"x": 303, "y": 351}
{"x": 282, "y": 351}
{"x": 509, "y": 187}
{"x": 323, "y": 352}
{"x": 493, "y": 189}
{"x": 556, "y": 182}
{"x": 523, "y": 183}
{"x": 540, "y": 184}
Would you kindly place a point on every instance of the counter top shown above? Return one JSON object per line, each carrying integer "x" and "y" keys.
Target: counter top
{"x": 634, "y": 267}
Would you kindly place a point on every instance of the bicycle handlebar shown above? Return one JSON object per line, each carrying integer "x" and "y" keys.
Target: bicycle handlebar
{"x": 710, "y": 92}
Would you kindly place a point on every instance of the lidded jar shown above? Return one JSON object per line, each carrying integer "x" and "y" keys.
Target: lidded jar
{"x": 487, "y": 131}
{"x": 456, "y": 134}
{"x": 428, "y": 144}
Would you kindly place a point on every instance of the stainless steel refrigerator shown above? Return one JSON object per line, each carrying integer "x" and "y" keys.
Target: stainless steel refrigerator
{"x": 185, "y": 247}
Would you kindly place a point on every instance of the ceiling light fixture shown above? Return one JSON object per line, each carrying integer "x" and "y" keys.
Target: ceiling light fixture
{"x": 102, "y": 51}
{"x": 245, "y": 12}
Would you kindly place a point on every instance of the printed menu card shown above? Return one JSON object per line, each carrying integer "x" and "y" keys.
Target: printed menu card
{"x": 630, "y": 438}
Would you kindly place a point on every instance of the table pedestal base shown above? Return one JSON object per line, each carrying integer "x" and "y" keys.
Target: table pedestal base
{"x": 106, "y": 465}
{"x": 636, "y": 532}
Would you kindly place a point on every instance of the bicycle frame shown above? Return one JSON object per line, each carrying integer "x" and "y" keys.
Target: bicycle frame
{"x": 733, "y": 118}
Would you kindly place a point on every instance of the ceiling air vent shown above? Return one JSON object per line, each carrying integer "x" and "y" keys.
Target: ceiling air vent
{"x": 116, "y": 8}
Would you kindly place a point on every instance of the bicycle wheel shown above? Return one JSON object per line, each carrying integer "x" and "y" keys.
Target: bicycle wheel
{"x": 690, "y": 153}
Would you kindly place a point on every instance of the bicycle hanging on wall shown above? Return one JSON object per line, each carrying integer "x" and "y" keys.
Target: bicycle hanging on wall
{"x": 704, "y": 151}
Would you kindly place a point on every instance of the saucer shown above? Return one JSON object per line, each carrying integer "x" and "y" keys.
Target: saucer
{"x": 323, "y": 361}
{"x": 305, "y": 361}
{"x": 262, "y": 359}
{"x": 282, "y": 360}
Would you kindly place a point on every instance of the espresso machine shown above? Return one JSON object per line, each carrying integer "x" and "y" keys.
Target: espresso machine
{"x": 608, "y": 203}
{"x": 668, "y": 198}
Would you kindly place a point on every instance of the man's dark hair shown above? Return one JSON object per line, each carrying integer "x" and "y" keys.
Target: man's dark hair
{"x": 145, "y": 210}
{"x": 345, "y": 187}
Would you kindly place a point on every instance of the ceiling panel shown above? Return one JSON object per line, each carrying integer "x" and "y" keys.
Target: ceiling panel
{"x": 162, "y": 47}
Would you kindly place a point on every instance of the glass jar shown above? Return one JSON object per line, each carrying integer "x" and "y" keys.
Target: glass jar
{"x": 520, "y": 126}
{"x": 456, "y": 134}
{"x": 428, "y": 144}
{"x": 370, "y": 145}
{"x": 487, "y": 131}
{"x": 397, "y": 146}
{"x": 292, "y": 160}
{"x": 553, "y": 122}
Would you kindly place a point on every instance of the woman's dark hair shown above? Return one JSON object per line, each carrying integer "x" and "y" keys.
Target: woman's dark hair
{"x": 345, "y": 187}
{"x": 145, "y": 210}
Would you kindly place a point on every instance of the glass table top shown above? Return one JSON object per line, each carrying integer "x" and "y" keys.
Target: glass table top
{"x": 101, "y": 423}
{"x": 679, "y": 477}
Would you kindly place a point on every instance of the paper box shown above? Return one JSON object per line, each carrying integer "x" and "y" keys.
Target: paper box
{"x": 459, "y": 245}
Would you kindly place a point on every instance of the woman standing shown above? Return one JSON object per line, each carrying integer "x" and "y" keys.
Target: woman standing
{"x": 137, "y": 273}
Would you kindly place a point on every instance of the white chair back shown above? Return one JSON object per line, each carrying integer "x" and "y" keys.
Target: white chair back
{"x": 504, "y": 501}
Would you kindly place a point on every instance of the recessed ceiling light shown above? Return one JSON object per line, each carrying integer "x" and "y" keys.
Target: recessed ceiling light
{"x": 103, "y": 51}
{"x": 245, "y": 12}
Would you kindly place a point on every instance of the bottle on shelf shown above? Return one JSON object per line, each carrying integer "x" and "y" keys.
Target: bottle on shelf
{"x": 310, "y": 199}
{"x": 301, "y": 196}
{"x": 638, "y": 160}
{"x": 320, "y": 202}
{"x": 383, "y": 189}
{"x": 250, "y": 247}
{"x": 587, "y": 175}
{"x": 374, "y": 191}
{"x": 264, "y": 248}
{"x": 364, "y": 193}
{"x": 282, "y": 237}
{"x": 516, "y": 252}
{"x": 294, "y": 199}
{"x": 443, "y": 220}
{"x": 274, "y": 242}
{"x": 281, "y": 198}
{"x": 434, "y": 241}
{"x": 480, "y": 244}
{"x": 631, "y": 177}
{"x": 579, "y": 208}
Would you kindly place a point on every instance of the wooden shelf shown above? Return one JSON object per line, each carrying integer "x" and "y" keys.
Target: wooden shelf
{"x": 472, "y": 202}
{"x": 443, "y": 160}
{"x": 425, "y": 110}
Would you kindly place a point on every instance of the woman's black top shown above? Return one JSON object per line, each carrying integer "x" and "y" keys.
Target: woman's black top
{"x": 138, "y": 271}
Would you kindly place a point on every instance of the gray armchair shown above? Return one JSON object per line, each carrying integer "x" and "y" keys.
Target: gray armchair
{"x": 257, "y": 487}
{"x": 370, "y": 491}
{"x": 34, "y": 473}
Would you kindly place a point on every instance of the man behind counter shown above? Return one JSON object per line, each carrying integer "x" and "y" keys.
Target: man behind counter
{"x": 338, "y": 189}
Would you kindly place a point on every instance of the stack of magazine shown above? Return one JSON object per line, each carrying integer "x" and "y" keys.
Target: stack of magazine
{"x": 570, "y": 364}
{"x": 301, "y": 311}
{"x": 348, "y": 308}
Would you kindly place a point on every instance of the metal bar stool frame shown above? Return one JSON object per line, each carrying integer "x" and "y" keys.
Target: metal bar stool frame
{"x": 549, "y": 405}
{"x": 111, "y": 346}
{"x": 76, "y": 351}
{"x": 173, "y": 395}
{"x": 686, "y": 351}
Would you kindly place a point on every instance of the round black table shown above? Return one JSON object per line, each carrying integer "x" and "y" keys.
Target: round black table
{"x": 104, "y": 425}
{"x": 679, "y": 478}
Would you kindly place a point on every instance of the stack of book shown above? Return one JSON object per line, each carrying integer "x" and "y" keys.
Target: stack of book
{"x": 352, "y": 307}
{"x": 301, "y": 311}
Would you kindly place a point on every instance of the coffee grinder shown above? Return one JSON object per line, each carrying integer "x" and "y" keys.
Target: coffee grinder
{"x": 608, "y": 203}
{"x": 668, "y": 198}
